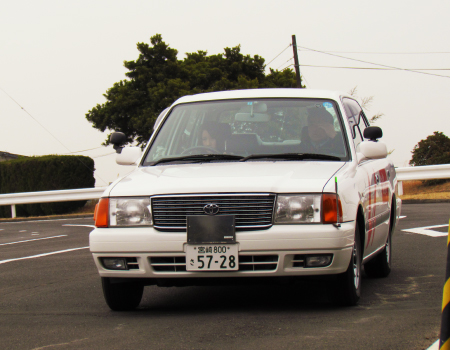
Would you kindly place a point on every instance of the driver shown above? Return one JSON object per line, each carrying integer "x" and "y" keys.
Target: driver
{"x": 321, "y": 136}
{"x": 208, "y": 140}
{"x": 214, "y": 134}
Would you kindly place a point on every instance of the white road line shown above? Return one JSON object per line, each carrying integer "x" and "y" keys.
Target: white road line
{"x": 40, "y": 255}
{"x": 426, "y": 230}
{"x": 31, "y": 240}
{"x": 434, "y": 346}
{"x": 23, "y": 231}
{"x": 402, "y": 217}
{"x": 80, "y": 225}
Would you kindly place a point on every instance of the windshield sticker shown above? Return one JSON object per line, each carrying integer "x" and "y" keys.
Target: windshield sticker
{"x": 328, "y": 105}
{"x": 249, "y": 103}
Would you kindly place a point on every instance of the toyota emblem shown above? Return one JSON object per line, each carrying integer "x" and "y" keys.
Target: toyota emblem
{"x": 211, "y": 209}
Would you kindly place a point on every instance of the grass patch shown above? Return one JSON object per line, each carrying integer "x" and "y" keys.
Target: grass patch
{"x": 88, "y": 208}
{"x": 416, "y": 190}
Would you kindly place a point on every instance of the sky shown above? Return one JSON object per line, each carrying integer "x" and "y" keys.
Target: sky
{"x": 58, "y": 58}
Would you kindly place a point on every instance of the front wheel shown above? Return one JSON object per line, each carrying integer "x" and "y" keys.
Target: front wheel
{"x": 122, "y": 296}
{"x": 347, "y": 288}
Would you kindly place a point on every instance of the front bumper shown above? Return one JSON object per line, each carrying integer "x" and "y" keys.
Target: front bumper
{"x": 274, "y": 252}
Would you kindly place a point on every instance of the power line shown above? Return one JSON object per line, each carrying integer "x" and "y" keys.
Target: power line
{"x": 85, "y": 150}
{"x": 306, "y": 81}
{"x": 43, "y": 127}
{"x": 376, "y": 64}
{"x": 287, "y": 62}
{"x": 279, "y": 54}
{"x": 389, "y": 53}
{"x": 374, "y": 68}
{"x": 104, "y": 155}
{"x": 291, "y": 65}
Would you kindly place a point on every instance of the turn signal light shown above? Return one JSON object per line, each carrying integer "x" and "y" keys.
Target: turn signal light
{"x": 329, "y": 208}
{"x": 102, "y": 213}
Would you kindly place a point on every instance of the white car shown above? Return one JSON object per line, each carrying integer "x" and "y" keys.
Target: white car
{"x": 287, "y": 183}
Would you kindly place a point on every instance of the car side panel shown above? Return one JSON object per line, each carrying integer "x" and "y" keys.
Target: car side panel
{"x": 378, "y": 205}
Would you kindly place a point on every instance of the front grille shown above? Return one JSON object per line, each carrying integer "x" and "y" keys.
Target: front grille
{"x": 168, "y": 264}
{"x": 132, "y": 264}
{"x": 298, "y": 261}
{"x": 246, "y": 263}
{"x": 258, "y": 262}
{"x": 250, "y": 211}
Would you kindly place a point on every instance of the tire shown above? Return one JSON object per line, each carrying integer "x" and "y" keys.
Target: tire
{"x": 380, "y": 266}
{"x": 122, "y": 296}
{"x": 347, "y": 287}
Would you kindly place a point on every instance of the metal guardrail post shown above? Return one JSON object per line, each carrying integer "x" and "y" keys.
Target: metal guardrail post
{"x": 13, "y": 210}
{"x": 444, "y": 341}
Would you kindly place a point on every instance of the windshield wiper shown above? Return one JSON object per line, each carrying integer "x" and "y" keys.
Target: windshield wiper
{"x": 198, "y": 158}
{"x": 292, "y": 156}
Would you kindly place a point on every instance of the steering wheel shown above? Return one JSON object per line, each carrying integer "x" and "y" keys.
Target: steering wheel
{"x": 195, "y": 149}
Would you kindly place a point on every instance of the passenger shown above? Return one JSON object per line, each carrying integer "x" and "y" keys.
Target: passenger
{"x": 322, "y": 137}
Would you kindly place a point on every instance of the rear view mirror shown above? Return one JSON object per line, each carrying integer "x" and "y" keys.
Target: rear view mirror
{"x": 253, "y": 112}
{"x": 255, "y": 117}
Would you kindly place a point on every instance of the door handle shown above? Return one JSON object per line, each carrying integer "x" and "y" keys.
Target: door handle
{"x": 377, "y": 179}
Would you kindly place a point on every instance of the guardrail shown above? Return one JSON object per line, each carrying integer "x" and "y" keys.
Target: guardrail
{"x": 78, "y": 194}
{"x": 403, "y": 174}
{"x": 427, "y": 172}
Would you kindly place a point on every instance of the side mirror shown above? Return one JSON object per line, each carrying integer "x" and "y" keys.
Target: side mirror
{"x": 118, "y": 139}
{"x": 371, "y": 150}
{"x": 373, "y": 133}
{"x": 128, "y": 156}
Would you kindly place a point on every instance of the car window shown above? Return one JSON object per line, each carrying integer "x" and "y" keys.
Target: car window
{"x": 356, "y": 119}
{"x": 249, "y": 127}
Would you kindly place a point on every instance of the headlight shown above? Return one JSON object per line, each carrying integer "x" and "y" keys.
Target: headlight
{"x": 130, "y": 212}
{"x": 294, "y": 209}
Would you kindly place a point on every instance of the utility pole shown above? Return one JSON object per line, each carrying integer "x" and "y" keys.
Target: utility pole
{"x": 296, "y": 65}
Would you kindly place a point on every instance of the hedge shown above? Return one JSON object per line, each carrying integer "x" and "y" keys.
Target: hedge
{"x": 46, "y": 173}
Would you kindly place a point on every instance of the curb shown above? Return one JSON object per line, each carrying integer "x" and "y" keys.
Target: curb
{"x": 424, "y": 201}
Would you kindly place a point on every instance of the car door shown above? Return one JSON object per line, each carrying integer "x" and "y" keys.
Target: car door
{"x": 383, "y": 193}
{"x": 374, "y": 180}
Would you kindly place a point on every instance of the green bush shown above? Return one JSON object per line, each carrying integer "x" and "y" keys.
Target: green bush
{"x": 434, "y": 150}
{"x": 46, "y": 173}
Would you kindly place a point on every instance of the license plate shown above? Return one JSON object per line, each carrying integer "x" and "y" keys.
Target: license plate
{"x": 212, "y": 257}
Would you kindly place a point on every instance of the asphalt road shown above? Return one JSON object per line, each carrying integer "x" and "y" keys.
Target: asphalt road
{"x": 54, "y": 300}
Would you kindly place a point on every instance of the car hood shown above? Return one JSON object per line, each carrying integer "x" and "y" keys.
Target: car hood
{"x": 227, "y": 177}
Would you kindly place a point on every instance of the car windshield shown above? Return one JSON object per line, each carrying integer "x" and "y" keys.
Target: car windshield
{"x": 243, "y": 128}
